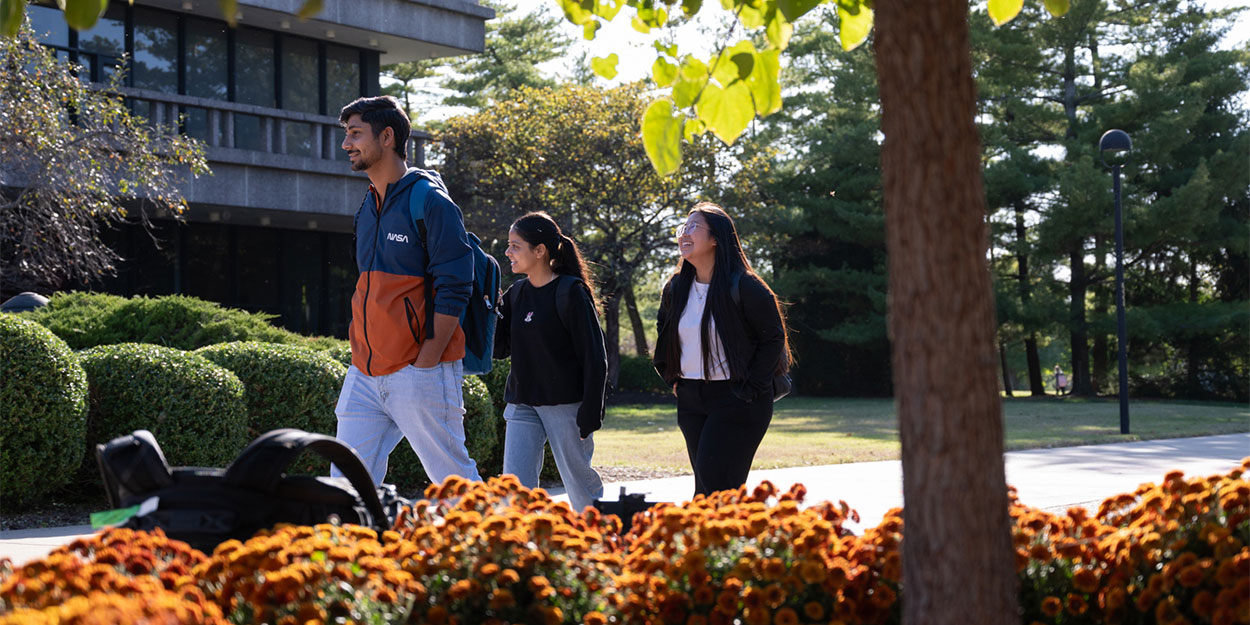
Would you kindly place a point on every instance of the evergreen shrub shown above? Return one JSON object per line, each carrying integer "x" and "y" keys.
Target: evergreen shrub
{"x": 86, "y": 320}
{"x": 43, "y": 411}
{"x": 196, "y": 409}
{"x": 287, "y": 386}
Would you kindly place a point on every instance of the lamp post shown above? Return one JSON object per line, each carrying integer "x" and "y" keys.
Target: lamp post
{"x": 1114, "y": 146}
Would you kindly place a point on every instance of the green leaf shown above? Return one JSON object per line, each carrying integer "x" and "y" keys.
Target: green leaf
{"x": 605, "y": 66}
{"x": 726, "y": 111}
{"x": 764, "y": 83}
{"x": 229, "y": 11}
{"x": 589, "y": 29}
{"x": 309, "y": 9}
{"x": 692, "y": 68}
{"x": 750, "y": 17}
{"x": 663, "y": 72}
{"x": 11, "y": 14}
{"x": 779, "y": 31}
{"x": 607, "y": 9}
{"x": 665, "y": 48}
{"x": 727, "y": 69}
{"x": 1058, "y": 8}
{"x": 82, "y": 14}
{"x": 694, "y": 127}
{"x": 690, "y": 7}
{"x": 574, "y": 11}
{"x": 687, "y": 89}
{"x": 745, "y": 62}
{"x": 794, "y": 9}
{"x": 1002, "y": 11}
{"x": 661, "y": 136}
{"x": 854, "y": 25}
{"x": 640, "y": 25}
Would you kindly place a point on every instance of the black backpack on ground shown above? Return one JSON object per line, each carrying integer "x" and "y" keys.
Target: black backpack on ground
{"x": 205, "y": 507}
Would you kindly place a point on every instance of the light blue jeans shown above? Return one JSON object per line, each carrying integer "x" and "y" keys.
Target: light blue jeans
{"x": 529, "y": 427}
{"x": 426, "y": 406}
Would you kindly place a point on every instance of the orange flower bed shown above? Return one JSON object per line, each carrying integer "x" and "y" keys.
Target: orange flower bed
{"x": 495, "y": 552}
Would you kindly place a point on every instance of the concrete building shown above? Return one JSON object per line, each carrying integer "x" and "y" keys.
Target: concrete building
{"x": 271, "y": 229}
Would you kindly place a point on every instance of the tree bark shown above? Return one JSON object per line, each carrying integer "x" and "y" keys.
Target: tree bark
{"x": 958, "y": 560}
{"x": 1100, "y": 355}
{"x": 612, "y": 333}
{"x": 1078, "y": 325}
{"x": 1037, "y": 387}
{"x": 1002, "y": 359}
{"x": 635, "y": 320}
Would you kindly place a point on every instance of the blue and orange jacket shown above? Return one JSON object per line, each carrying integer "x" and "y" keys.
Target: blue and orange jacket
{"x": 389, "y": 316}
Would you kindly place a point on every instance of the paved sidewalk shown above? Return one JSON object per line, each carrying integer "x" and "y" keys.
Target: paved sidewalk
{"x": 1053, "y": 479}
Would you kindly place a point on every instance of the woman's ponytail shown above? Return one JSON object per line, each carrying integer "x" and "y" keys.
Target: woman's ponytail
{"x": 539, "y": 228}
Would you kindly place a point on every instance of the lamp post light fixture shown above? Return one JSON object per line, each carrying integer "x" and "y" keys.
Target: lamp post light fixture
{"x": 1114, "y": 148}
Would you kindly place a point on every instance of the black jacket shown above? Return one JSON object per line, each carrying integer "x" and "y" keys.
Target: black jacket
{"x": 558, "y": 356}
{"x": 754, "y": 341}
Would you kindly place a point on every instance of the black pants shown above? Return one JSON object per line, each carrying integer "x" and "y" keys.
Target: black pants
{"x": 722, "y": 432}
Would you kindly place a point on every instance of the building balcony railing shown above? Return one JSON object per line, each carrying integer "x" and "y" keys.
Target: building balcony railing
{"x": 222, "y": 124}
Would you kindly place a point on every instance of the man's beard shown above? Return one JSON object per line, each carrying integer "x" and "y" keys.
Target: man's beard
{"x": 362, "y": 164}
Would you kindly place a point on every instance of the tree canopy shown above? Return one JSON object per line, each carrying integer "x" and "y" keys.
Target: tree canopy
{"x": 72, "y": 160}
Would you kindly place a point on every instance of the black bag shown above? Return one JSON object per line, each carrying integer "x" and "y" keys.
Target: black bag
{"x": 205, "y": 507}
{"x": 625, "y": 507}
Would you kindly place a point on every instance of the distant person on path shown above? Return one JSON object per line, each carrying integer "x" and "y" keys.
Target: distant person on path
{"x": 555, "y": 390}
{"x": 406, "y": 378}
{"x": 1061, "y": 382}
{"x": 719, "y": 352}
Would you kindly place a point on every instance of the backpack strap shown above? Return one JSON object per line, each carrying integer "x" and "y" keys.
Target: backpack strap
{"x": 416, "y": 212}
{"x": 564, "y": 290}
{"x": 263, "y": 464}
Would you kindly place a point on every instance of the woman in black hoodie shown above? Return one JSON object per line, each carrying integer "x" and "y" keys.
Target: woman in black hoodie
{"x": 722, "y": 340}
{"x": 555, "y": 390}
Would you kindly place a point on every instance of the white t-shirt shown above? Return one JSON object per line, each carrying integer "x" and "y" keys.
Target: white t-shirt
{"x": 692, "y": 340}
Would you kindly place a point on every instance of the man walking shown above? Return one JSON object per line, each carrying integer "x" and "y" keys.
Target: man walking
{"x": 416, "y": 275}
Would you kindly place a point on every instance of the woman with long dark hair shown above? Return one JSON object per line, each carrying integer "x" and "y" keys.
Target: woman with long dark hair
{"x": 555, "y": 389}
{"x": 722, "y": 340}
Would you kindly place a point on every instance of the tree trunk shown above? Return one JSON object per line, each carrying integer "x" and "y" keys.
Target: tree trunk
{"x": 612, "y": 334}
{"x": 958, "y": 560}
{"x": 1078, "y": 326}
{"x": 1037, "y": 387}
{"x": 1002, "y": 359}
{"x": 1101, "y": 354}
{"x": 635, "y": 320}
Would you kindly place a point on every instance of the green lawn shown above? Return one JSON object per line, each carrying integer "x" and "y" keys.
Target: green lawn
{"x": 814, "y": 431}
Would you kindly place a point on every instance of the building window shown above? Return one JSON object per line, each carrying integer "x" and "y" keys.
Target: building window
{"x": 207, "y": 59}
{"x": 49, "y": 26}
{"x": 301, "y": 89}
{"x": 156, "y": 51}
{"x": 342, "y": 78}
{"x": 101, "y": 49}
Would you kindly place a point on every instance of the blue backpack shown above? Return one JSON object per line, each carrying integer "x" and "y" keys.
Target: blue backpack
{"x": 479, "y": 317}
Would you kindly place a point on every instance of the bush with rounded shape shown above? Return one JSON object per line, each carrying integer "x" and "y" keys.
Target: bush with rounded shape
{"x": 43, "y": 411}
{"x": 287, "y": 386}
{"x": 481, "y": 438}
{"x": 195, "y": 408}
{"x": 90, "y": 319}
{"x": 80, "y": 319}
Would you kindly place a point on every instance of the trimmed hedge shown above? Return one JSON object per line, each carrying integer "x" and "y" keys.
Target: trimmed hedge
{"x": 86, "y": 320}
{"x": 195, "y": 408}
{"x": 481, "y": 424}
{"x": 287, "y": 386}
{"x": 43, "y": 411}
